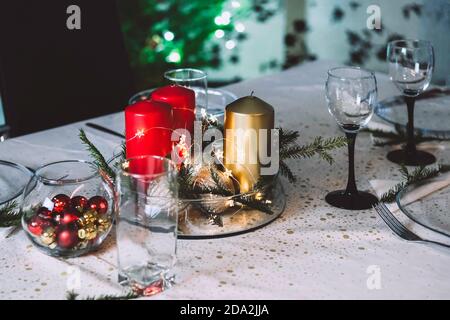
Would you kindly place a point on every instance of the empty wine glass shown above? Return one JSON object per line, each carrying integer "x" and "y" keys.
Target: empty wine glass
{"x": 194, "y": 79}
{"x": 411, "y": 64}
{"x": 351, "y": 95}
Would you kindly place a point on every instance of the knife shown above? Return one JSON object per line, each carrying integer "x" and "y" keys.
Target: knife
{"x": 103, "y": 129}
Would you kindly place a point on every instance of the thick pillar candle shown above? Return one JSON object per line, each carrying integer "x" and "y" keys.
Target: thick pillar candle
{"x": 243, "y": 120}
{"x": 182, "y": 101}
{"x": 148, "y": 129}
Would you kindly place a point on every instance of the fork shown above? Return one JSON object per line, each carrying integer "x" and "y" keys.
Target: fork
{"x": 398, "y": 228}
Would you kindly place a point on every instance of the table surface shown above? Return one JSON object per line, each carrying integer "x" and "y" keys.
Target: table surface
{"x": 312, "y": 251}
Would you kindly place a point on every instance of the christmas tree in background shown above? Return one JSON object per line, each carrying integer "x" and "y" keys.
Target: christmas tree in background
{"x": 166, "y": 34}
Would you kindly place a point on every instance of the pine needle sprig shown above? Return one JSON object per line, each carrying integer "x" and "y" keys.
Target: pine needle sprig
{"x": 417, "y": 175}
{"x": 98, "y": 159}
{"x": 288, "y": 137}
{"x": 399, "y": 137}
{"x": 10, "y": 215}
{"x": 319, "y": 146}
{"x": 71, "y": 295}
{"x": 285, "y": 171}
{"x": 220, "y": 187}
{"x": 251, "y": 202}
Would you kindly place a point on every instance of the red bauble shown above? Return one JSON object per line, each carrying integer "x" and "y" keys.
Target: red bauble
{"x": 67, "y": 236}
{"x": 62, "y": 202}
{"x": 69, "y": 216}
{"x": 79, "y": 203}
{"x": 98, "y": 204}
{"x": 37, "y": 224}
{"x": 43, "y": 212}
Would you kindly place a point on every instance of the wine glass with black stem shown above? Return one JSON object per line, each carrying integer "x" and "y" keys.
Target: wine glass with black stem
{"x": 351, "y": 96}
{"x": 411, "y": 65}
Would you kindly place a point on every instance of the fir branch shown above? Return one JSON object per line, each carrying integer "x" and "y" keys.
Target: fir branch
{"x": 251, "y": 202}
{"x": 10, "y": 215}
{"x": 216, "y": 220}
{"x": 71, "y": 295}
{"x": 399, "y": 137}
{"x": 319, "y": 147}
{"x": 220, "y": 187}
{"x": 418, "y": 175}
{"x": 185, "y": 182}
{"x": 98, "y": 159}
{"x": 288, "y": 137}
{"x": 286, "y": 172}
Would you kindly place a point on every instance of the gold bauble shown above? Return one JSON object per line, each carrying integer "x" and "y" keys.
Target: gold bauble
{"x": 48, "y": 236}
{"x": 89, "y": 217}
{"x": 88, "y": 232}
{"x": 104, "y": 223}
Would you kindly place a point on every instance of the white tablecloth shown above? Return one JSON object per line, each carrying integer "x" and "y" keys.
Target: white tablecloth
{"x": 313, "y": 251}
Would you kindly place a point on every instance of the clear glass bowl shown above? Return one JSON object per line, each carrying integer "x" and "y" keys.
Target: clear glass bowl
{"x": 13, "y": 179}
{"x": 67, "y": 208}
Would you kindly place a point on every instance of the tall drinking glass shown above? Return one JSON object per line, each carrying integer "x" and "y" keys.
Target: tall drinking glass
{"x": 194, "y": 79}
{"x": 411, "y": 65}
{"x": 351, "y": 95}
{"x": 147, "y": 214}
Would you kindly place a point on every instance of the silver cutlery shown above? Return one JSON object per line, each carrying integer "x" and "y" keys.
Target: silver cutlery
{"x": 398, "y": 228}
{"x": 103, "y": 129}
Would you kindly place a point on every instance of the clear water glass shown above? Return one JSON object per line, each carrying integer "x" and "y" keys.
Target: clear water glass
{"x": 194, "y": 79}
{"x": 147, "y": 219}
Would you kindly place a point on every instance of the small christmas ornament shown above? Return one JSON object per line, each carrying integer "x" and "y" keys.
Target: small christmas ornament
{"x": 44, "y": 213}
{"x": 88, "y": 218}
{"x": 38, "y": 224}
{"x": 88, "y": 232}
{"x": 48, "y": 236}
{"x": 62, "y": 202}
{"x": 104, "y": 223}
{"x": 79, "y": 203}
{"x": 69, "y": 216}
{"x": 98, "y": 204}
{"x": 67, "y": 236}
{"x": 204, "y": 179}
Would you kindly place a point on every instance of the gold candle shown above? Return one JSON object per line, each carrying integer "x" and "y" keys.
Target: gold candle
{"x": 243, "y": 139}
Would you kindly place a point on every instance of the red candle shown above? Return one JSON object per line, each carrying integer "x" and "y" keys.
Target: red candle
{"x": 182, "y": 101}
{"x": 148, "y": 130}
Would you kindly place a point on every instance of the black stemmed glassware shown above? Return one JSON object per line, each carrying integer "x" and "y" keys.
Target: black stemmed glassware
{"x": 411, "y": 64}
{"x": 351, "y": 95}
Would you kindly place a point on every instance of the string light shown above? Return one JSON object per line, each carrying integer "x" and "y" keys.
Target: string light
{"x": 223, "y": 19}
{"x": 140, "y": 133}
{"x": 174, "y": 57}
{"x": 169, "y": 36}
{"x": 218, "y": 20}
{"x": 228, "y": 173}
{"x": 219, "y": 34}
{"x": 230, "y": 44}
{"x": 239, "y": 27}
{"x": 235, "y": 4}
{"x": 218, "y": 154}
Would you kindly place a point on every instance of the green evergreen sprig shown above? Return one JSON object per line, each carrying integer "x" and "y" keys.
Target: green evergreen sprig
{"x": 417, "y": 175}
{"x": 71, "y": 295}
{"x": 99, "y": 161}
{"x": 290, "y": 149}
{"x": 398, "y": 136}
{"x": 10, "y": 215}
